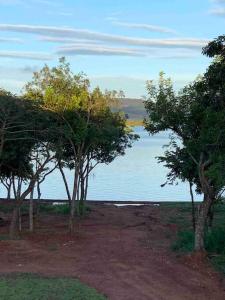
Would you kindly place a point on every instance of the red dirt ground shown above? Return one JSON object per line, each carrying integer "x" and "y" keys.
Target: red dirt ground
{"x": 122, "y": 252}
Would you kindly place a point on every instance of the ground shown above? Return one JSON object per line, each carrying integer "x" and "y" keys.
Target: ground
{"x": 123, "y": 252}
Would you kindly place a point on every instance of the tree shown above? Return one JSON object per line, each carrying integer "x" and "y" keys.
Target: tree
{"x": 24, "y": 129}
{"x": 89, "y": 132}
{"x": 196, "y": 117}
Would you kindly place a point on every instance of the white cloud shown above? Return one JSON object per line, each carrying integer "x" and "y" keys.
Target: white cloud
{"x": 89, "y": 49}
{"x": 26, "y": 55}
{"x": 219, "y": 11}
{"x": 31, "y": 3}
{"x": 10, "y": 40}
{"x": 65, "y": 32}
{"x": 63, "y": 40}
{"x": 93, "y": 49}
{"x": 148, "y": 27}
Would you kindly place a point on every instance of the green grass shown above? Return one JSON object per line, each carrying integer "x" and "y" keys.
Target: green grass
{"x": 214, "y": 239}
{"x": 61, "y": 209}
{"x": 184, "y": 242}
{"x": 32, "y": 287}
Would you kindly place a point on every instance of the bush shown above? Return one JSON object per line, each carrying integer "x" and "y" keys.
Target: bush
{"x": 215, "y": 241}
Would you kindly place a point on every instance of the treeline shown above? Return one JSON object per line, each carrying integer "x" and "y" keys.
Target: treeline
{"x": 57, "y": 123}
{"x": 195, "y": 118}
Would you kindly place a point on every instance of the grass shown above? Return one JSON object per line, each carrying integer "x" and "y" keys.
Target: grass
{"x": 61, "y": 209}
{"x": 32, "y": 287}
{"x": 214, "y": 239}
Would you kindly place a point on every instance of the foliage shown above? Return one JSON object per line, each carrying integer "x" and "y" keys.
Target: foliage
{"x": 195, "y": 116}
{"x": 89, "y": 132}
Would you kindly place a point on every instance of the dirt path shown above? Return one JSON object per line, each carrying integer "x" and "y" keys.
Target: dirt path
{"x": 122, "y": 252}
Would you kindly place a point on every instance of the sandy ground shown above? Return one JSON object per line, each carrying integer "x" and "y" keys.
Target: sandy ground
{"x": 123, "y": 252}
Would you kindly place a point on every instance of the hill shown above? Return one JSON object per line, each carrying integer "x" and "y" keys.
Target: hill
{"x": 134, "y": 108}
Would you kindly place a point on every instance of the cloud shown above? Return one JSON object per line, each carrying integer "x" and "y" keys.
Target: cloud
{"x": 147, "y": 27}
{"x": 31, "y": 2}
{"x": 11, "y": 2}
{"x": 93, "y": 49}
{"x": 218, "y": 1}
{"x": 47, "y": 2}
{"x": 219, "y": 11}
{"x": 89, "y": 49}
{"x": 26, "y": 55}
{"x": 65, "y": 32}
{"x": 29, "y": 69}
{"x": 10, "y": 40}
{"x": 63, "y": 40}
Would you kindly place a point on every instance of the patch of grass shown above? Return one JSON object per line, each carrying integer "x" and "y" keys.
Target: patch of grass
{"x": 4, "y": 237}
{"x": 184, "y": 242}
{"x": 53, "y": 247}
{"x": 214, "y": 243}
{"x": 32, "y": 287}
{"x": 62, "y": 209}
{"x": 179, "y": 220}
{"x": 218, "y": 262}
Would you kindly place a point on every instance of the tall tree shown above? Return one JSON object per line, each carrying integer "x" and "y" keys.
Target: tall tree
{"x": 88, "y": 132}
{"x": 196, "y": 117}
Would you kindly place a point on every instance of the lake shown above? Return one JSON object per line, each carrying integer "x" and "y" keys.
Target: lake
{"x": 135, "y": 176}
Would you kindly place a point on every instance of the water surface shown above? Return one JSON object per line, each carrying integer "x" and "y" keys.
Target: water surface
{"x": 135, "y": 176}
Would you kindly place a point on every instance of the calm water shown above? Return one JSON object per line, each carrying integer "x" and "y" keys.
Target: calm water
{"x": 135, "y": 176}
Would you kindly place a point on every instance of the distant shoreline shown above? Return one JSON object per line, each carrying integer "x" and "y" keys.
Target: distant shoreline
{"x": 48, "y": 201}
{"x": 133, "y": 123}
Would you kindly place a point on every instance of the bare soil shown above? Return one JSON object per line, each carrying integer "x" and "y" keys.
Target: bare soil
{"x": 123, "y": 252}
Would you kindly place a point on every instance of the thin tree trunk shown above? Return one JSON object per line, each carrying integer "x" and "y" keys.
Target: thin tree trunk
{"x": 204, "y": 207}
{"x": 38, "y": 197}
{"x": 210, "y": 217}
{"x": 73, "y": 200}
{"x": 65, "y": 183}
{"x": 192, "y": 206}
{"x": 13, "y": 229}
{"x": 9, "y": 190}
{"x": 31, "y": 211}
{"x": 201, "y": 222}
{"x": 86, "y": 187}
{"x": 82, "y": 195}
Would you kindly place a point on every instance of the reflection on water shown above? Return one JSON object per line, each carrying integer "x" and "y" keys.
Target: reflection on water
{"x": 135, "y": 176}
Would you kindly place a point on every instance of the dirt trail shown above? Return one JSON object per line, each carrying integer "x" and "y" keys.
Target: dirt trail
{"x": 122, "y": 252}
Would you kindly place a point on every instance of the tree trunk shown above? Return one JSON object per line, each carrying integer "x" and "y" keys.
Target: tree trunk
{"x": 201, "y": 222}
{"x": 210, "y": 217}
{"x": 13, "y": 229}
{"x": 31, "y": 211}
{"x": 73, "y": 200}
{"x": 9, "y": 190}
{"x": 65, "y": 183}
{"x": 192, "y": 206}
{"x": 38, "y": 198}
{"x": 82, "y": 195}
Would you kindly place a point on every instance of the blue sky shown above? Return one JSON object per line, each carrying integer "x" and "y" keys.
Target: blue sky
{"x": 118, "y": 44}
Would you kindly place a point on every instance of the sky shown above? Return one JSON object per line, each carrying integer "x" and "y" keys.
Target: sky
{"x": 118, "y": 44}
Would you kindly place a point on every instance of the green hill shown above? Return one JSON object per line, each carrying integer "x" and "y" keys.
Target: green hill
{"x": 133, "y": 108}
